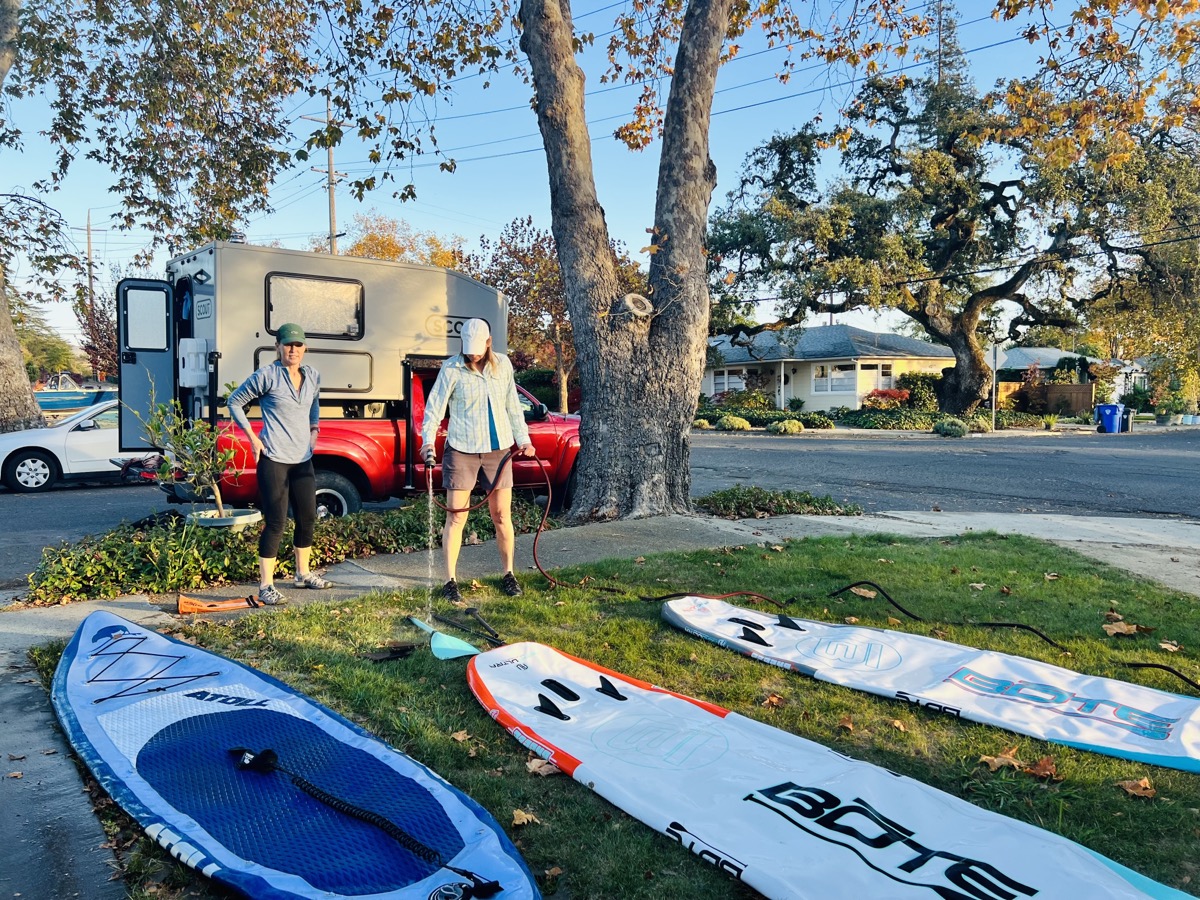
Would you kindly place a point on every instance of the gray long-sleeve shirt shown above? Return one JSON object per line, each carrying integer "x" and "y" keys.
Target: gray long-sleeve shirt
{"x": 288, "y": 414}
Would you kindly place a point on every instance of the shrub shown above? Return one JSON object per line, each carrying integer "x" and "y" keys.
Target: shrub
{"x": 756, "y": 502}
{"x": 1138, "y": 398}
{"x": 922, "y": 390}
{"x": 702, "y": 425}
{"x": 172, "y": 555}
{"x": 744, "y": 400}
{"x": 786, "y": 426}
{"x": 732, "y": 423}
{"x": 795, "y": 404}
{"x": 980, "y": 423}
{"x": 885, "y": 398}
{"x": 890, "y": 419}
{"x": 950, "y": 427}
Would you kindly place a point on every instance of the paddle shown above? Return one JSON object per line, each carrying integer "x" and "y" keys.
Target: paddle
{"x": 443, "y": 645}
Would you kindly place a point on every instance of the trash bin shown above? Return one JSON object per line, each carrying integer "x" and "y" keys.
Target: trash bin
{"x": 1127, "y": 415}
{"x": 1110, "y": 417}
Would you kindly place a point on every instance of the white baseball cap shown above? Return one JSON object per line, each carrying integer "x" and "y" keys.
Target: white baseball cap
{"x": 475, "y": 334}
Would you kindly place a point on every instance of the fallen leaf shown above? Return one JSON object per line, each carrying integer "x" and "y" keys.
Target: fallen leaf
{"x": 1139, "y": 788}
{"x": 640, "y": 560}
{"x": 939, "y": 634}
{"x": 977, "y": 585}
{"x": 863, "y": 592}
{"x": 777, "y": 548}
{"x": 15, "y": 775}
{"x": 1005, "y": 590}
{"x": 542, "y": 767}
{"x": 1113, "y": 616}
{"x": 887, "y": 562}
{"x": 461, "y": 736}
{"x": 1044, "y": 768}
{"x": 846, "y": 722}
{"x": 1118, "y": 628}
{"x": 475, "y": 586}
{"x": 520, "y": 817}
{"x": 1172, "y": 646}
{"x": 851, "y": 620}
{"x": 1007, "y": 758}
{"x": 1050, "y": 576}
{"x": 898, "y": 725}
{"x": 553, "y": 872}
{"x": 12, "y": 757}
{"x": 936, "y": 508}
{"x": 892, "y": 620}
{"x": 954, "y": 570}
{"x": 774, "y": 701}
{"x": 1174, "y": 559}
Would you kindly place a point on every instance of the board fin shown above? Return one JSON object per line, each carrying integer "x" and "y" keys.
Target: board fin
{"x": 546, "y": 706}
{"x": 746, "y": 623}
{"x": 785, "y": 622}
{"x": 561, "y": 689}
{"x": 753, "y": 638}
{"x": 608, "y": 689}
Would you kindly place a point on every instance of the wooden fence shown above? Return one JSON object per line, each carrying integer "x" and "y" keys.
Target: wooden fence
{"x": 1063, "y": 399}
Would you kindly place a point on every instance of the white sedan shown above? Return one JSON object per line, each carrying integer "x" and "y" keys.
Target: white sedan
{"x": 78, "y": 448}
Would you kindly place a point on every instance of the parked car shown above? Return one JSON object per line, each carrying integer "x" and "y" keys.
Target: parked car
{"x": 78, "y": 448}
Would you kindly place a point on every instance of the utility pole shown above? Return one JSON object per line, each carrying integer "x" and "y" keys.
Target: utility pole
{"x": 333, "y": 175}
{"x": 91, "y": 271}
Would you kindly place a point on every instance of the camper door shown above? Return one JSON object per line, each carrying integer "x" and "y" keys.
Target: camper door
{"x": 146, "y": 350}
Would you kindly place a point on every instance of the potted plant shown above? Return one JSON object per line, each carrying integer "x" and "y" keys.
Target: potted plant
{"x": 1049, "y": 421}
{"x": 1189, "y": 413}
{"x": 193, "y": 458}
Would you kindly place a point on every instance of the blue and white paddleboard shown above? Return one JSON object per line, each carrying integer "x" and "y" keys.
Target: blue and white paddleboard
{"x": 179, "y": 737}
{"x": 789, "y": 817}
{"x": 1029, "y": 697}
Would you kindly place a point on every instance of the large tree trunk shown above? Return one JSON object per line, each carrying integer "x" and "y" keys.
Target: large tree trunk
{"x": 18, "y": 407}
{"x": 965, "y": 386}
{"x": 640, "y": 369}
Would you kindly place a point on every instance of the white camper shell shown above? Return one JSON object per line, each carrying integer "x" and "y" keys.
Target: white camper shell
{"x": 213, "y": 321}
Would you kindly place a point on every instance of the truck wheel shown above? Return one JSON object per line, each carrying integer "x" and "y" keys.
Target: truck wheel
{"x": 564, "y": 498}
{"x": 336, "y": 495}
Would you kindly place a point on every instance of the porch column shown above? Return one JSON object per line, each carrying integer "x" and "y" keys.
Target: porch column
{"x": 779, "y": 390}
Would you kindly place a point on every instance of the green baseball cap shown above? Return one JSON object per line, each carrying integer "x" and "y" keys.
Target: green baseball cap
{"x": 291, "y": 333}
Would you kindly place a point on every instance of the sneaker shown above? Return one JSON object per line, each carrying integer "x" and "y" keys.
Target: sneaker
{"x": 268, "y": 596}
{"x": 313, "y": 581}
{"x": 510, "y": 585}
{"x": 450, "y": 591}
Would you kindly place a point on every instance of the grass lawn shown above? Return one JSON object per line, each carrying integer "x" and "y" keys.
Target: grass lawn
{"x": 585, "y": 849}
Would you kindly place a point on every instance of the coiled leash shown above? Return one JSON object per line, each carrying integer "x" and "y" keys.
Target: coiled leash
{"x": 266, "y": 762}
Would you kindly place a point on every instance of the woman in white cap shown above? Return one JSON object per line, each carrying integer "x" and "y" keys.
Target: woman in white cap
{"x": 288, "y": 394}
{"x": 486, "y": 421}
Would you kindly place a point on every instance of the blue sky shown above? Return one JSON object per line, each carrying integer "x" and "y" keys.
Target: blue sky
{"x": 501, "y": 170}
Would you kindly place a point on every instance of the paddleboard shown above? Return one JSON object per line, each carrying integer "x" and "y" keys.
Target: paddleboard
{"x": 1023, "y": 695}
{"x": 263, "y": 789}
{"x": 788, "y": 817}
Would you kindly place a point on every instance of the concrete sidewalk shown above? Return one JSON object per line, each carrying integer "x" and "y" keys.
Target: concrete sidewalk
{"x": 51, "y": 844}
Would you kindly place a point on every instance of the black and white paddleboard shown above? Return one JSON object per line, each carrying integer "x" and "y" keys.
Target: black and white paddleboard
{"x": 1023, "y": 695}
{"x": 788, "y": 817}
{"x": 263, "y": 789}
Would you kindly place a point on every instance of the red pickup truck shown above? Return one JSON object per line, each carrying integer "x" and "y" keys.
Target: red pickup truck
{"x": 364, "y": 459}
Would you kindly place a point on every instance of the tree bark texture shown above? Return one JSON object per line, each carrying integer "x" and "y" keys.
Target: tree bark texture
{"x": 966, "y": 385}
{"x": 640, "y": 369}
{"x": 18, "y": 406}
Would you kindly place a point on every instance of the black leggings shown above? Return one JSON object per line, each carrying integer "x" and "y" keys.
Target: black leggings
{"x": 277, "y": 483}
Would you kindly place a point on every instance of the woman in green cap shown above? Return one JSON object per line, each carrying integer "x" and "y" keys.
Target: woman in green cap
{"x": 288, "y": 394}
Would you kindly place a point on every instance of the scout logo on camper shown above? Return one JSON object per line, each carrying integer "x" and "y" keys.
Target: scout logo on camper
{"x": 887, "y": 846}
{"x": 1065, "y": 703}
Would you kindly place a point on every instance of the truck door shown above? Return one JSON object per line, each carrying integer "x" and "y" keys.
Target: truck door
{"x": 146, "y": 350}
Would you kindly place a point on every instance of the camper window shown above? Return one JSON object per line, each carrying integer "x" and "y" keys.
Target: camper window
{"x": 325, "y": 307}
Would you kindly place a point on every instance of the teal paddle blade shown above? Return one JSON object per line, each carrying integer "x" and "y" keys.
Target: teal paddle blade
{"x": 443, "y": 645}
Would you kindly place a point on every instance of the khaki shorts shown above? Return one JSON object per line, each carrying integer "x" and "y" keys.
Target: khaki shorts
{"x": 461, "y": 471}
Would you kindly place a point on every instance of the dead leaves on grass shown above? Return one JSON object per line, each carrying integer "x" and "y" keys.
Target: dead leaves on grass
{"x": 1139, "y": 788}
{"x": 1044, "y": 769}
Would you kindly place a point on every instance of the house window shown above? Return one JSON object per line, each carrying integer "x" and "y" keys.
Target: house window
{"x": 728, "y": 380}
{"x": 885, "y": 376}
{"x": 323, "y": 307}
{"x": 879, "y": 375}
{"x": 834, "y": 379}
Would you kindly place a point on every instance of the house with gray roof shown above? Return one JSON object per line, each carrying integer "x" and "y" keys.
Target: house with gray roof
{"x": 825, "y": 366}
{"x": 1130, "y": 373}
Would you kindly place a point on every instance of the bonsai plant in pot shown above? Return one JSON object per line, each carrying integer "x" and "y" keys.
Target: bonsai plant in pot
{"x": 193, "y": 456}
